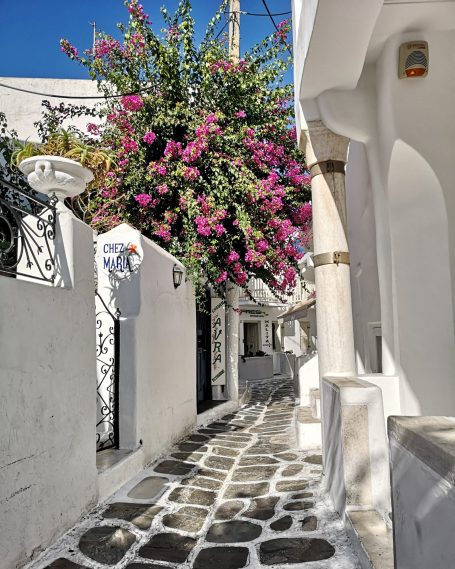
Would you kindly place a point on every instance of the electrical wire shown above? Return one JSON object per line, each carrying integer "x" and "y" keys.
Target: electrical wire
{"x": 273, "y": 22}
{"x": 266, "y": 15}
{"x": 72, "y": 96}
{"x": 222, "y": 30}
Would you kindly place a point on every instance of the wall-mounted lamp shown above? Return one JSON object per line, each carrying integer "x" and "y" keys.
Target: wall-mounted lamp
{"x": 413, "y": 60}
{"x": 177, "y": 274}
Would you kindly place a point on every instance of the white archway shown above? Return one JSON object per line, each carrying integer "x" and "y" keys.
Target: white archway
{"x": 422, "y": 288}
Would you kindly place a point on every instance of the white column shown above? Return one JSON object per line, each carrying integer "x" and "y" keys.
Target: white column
{"x": 232, "y": 341}
{"x": 333, "y": 288}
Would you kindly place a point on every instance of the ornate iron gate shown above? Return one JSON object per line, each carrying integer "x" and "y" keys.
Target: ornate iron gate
{"x": 107, "y": 369}
{"x": 27, "y": 233}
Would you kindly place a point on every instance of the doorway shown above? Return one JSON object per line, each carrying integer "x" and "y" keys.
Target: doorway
{"x": 204, "y": 388}
{"x": 251, "y": 335}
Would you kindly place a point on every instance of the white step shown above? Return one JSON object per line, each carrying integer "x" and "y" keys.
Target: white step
{"x": 315, "y": 402}
{"x": 308, "y": 429}
{"x": 371, "y": 538}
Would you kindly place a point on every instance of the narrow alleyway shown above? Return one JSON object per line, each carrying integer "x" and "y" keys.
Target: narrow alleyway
{"x": 233, "y": 494}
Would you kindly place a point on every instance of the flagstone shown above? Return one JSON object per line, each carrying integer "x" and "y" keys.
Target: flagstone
{"x": 65, "y": 564}
{"x": 298, "y": 506}
{"x": 294, "y": 550}
{"x": 141, "y": 515}
{"x": 190, "y": 457}
{"x": 222, "y": 558}
{"x": 291, "y": 485}
{"x": 148, "y": 488}
{"x": 254, "y": 473}
{"x": 192, "y": 447}
{"x": 262, "y": 508}
{"x": 202, "y": 482}
{"x": 106, "y": 544}
{"x": 170, "y": 547}
{"x": 313, "y": 459}
{"x": 188, "y": 519}
{"x": 187, "y": 495}
{"x": 247, "y": 490}
{"x": 310, "y": 523}
{"x": 282, "y": 524}
{"x": 235, "y": 531}
{"x": 219, "y": 462}
{"x": 228, "y": 510}
{"x": 174, "y": 467}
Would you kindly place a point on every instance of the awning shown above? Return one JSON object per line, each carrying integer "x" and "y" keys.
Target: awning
{"x": 297, "y": 311}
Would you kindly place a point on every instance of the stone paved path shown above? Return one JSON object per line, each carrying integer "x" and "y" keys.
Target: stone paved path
{"x": 234, "y": 494}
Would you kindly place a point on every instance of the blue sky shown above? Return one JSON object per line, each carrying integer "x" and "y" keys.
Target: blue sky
{"x": 30, "y": 30}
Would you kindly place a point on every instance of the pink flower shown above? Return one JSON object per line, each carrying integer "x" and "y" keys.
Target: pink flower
{"x": 149, "y": 137}
{"x": 241, "y": 278}
{"x": 129, "y": 145}
{"x": 132, "y": 102}
{"x": 93, "y": 129}
{"x": 203, "y": 226}
{"x": 143, "y": 199}
{"x": 219, "y": 229}
{"x": 232, "y": 257}
{"x": 104, "y": 47}
{"x": 221, "y": 277}
{"x": 173, "y": 149}
{"x": 192, "y": 152}
{"x": 173, "y": 33}
{"x": 162, "y": 189}
{"x": 164, "y": 233}
{"x": 211, "y": 118}
{"x": 69, "y": 49}
{"x": 240, "y": 114}
{"x": 262, "y": 245}
{"x": 137, "y": 12}
{"x": 157, "y": 168}
{"x": 191, "y": 174}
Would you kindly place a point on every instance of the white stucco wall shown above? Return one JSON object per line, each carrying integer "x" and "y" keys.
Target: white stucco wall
{"x": 366, "y": 307}
{"x": 158, "y": 347}
{"x": 47, "y": 405}
{"x": 24, "y": 109}
{"x": 307, "y": 376}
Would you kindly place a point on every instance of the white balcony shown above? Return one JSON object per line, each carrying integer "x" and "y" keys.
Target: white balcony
{"x": 261, "y": 293}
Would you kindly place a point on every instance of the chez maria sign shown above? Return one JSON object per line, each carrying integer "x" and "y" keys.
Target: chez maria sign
{"x": 120, "y": 252}
{"x": 218, "y": 342}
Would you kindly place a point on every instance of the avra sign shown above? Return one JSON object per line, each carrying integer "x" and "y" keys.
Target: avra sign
{"x": 218, "y": 342}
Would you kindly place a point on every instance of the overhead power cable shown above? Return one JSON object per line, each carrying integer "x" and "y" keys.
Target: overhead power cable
{"x": 266, "y": 15}
{"x": 222, "y": 30}
{"x": 51, "y": 95}
{"x": 269, "y": 13}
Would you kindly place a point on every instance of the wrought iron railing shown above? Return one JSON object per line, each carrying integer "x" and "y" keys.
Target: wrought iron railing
{"x": 27, "y": 233}
{"x": 108, "y": 373}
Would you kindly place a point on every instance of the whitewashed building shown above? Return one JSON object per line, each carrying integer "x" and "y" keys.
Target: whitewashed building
{"x": 374, "y": 85}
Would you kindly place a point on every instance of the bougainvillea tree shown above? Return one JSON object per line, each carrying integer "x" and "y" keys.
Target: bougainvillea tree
{"x": 207, "y": 161}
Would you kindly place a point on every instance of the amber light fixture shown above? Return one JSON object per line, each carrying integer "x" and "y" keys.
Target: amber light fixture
{"x": 413, "y": 60}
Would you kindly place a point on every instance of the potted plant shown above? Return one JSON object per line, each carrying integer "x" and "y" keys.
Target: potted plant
{"x": 63, "y": 165}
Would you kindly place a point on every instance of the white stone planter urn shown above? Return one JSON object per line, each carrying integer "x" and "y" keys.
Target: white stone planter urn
{"x": 56, "y": 175}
